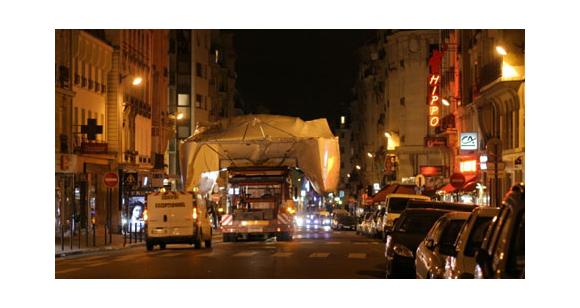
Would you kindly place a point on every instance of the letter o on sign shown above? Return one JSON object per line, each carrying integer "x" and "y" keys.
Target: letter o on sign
{"x": 111, "y": 179}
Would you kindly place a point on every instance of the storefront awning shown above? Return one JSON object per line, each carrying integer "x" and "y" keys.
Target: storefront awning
{"x": 470, "y": 183}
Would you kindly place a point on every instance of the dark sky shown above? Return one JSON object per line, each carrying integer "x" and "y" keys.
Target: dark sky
{"x": 305, "y": 73}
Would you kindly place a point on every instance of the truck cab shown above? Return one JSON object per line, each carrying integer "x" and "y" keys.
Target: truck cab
{"x": 259, "y": 204}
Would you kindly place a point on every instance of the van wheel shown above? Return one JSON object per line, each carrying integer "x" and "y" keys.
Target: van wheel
{"x": 149, "y": 245}
{"x": 162, "y": 245}
{"x": 197, "y": 242}
{"x": 208, "y": 244}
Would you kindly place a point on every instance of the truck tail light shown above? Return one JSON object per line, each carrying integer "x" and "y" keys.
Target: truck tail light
{"x": 194, "y": 215}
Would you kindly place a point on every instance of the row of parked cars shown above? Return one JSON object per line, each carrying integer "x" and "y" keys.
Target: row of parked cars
{"x": 376, "y": 223}
{"x": 445, "y": 240}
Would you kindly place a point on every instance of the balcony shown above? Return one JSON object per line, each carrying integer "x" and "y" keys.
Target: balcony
{"x": 489, "y": 73}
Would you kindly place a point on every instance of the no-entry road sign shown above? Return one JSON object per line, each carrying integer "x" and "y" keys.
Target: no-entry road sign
{"x": 111, "y": 179}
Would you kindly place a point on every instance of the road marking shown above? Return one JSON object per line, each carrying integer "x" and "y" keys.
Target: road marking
{"x": 305, "y": 242}
{"x": 361, "y": 243}
{"x": 127, "y": 258}
{"x": 319, "y": 255}
{"x": 333, "y": 243}
{"x": 357, "y": 255}
{"x": 171, "y": 254}
{"x": 282, "y": 254}
{"x": 245, "y": 254}
{"x": 68, "y": 270}
{"x": 375, "y": 243}
{"x": 97, "y": 264}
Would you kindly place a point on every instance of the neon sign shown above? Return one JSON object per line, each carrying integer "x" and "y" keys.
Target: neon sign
{"x": 434, "y": 101}
{"x": 468, "y": 166}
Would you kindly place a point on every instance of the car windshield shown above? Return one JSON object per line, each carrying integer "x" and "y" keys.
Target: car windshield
{"x": 397, "y": 205}
{"x": 419, "y": 223}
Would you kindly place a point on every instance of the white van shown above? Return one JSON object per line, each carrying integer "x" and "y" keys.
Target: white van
{"x": 176, "y": 218}
{"x": 395, "y": 204}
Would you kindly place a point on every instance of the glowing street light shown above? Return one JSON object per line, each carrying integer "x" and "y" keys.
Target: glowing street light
{"x": 445, "y": 102}
{"x": 137, "y": 81}
{"x": 357, "y": 167}
{"x": 369, "y": 155}
{"x": 387, "y": 135}
{"x": 500, "y": 50}
{"x": 179, "y": 116}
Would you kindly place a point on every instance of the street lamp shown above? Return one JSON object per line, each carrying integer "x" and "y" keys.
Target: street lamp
{"x": 369, "y": 154}
{"x": 500, "y": 50}
{"x": 137, "y": 81}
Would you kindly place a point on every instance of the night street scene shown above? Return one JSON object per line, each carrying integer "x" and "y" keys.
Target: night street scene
{"x": 302, "y": 154}
{"x": 370, "y": 154}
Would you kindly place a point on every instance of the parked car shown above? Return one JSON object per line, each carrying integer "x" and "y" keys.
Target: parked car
{"x": 431, "y": 256}
{"x": 421, "y": 204}
{"x": 344, "y": 222}
{"x": 365, "y": 224}
{"x": 402, "y": 241}
{"x": 462, "y": 263}
{"x": 376, "y": 226}
{"x": 395, "y": 204}
{"x": 502, "y": 252}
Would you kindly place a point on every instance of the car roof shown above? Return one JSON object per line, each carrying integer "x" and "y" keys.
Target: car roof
{"x": 486, "y": 211}
{"x": 438, "y": 204}
{"x": 454, "y": 215}
{"x": 408, "y": 196}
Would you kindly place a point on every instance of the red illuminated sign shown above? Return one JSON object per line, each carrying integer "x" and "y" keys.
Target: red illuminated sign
{"x": 434, "y": 102}
{"x": 431, "y": 170}
{"x": 433, "y": 97}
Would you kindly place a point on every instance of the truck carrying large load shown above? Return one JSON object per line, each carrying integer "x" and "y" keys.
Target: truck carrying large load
{"x": 258, "y": 154}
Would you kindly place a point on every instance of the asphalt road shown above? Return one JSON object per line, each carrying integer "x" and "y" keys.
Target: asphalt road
{"x": 312, "y": 254}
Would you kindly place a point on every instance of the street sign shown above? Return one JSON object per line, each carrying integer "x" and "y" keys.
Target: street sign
{"x": 111, "y": 179}
{"x": 457, "y": 180}
{"x": 420, "y": 180}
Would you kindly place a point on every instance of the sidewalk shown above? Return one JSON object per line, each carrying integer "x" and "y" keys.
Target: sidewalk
{"x": 118, "y": 241}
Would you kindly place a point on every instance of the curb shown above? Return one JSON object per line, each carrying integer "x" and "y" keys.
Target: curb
{"x": 216, "y": 239}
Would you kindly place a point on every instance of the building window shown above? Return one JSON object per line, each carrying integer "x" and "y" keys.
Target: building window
{"x": 83, "y": 116}
{"x": 76, "y": 116}
{"x": 402, "y": 101}
{"x": 198, "y": 70}
{"x": 198, "y": 99}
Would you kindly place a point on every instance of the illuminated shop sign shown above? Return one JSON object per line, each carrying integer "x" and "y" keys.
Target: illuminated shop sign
{"x": 468, "y": 166}
{"x": 433, "y": 98}
{"x": 434, "y": 101}
{"x": 468, "y": 141}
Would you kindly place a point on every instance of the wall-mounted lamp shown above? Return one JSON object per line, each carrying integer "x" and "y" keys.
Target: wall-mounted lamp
{"x": 500, "y": 50}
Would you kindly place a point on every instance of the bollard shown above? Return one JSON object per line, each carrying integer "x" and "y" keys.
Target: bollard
{"x": 61, "y": 237}
{"x": 124, "y": 235}
{"x": 80, "y": 231}
{"x": 135, "y": 231}
{"x": 87, "y": 236}
{"x": 105, "y": 234}
{"x": 71, "y": 235}
{"x": 94, "y": 236}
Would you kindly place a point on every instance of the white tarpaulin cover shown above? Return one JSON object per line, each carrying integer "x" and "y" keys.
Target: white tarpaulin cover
{"x": 261, "y": 140}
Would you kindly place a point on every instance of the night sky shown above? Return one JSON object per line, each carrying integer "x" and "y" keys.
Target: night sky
{"x": 304, "y": 73}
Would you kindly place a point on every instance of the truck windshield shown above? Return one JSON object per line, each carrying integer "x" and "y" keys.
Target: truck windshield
{"x": 256, "y": 201}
